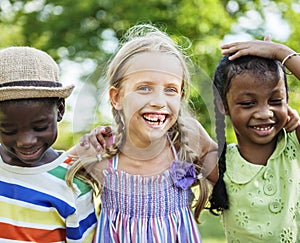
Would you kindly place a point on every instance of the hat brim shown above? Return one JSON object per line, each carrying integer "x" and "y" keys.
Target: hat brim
{"x": 15, "y": 92}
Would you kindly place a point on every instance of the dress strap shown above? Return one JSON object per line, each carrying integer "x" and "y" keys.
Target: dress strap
{"x": 114, "y": 162}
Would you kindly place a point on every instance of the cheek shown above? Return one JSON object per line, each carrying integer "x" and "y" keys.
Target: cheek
{"x": 6, "y": 141}
{"x": 50, "y": 134}
{"x": 175, "y": 104}
{"x": 284, "y": 113}
{"x": 132, "y": 103}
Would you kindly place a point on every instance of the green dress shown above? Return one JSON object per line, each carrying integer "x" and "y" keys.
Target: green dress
{"x": 264, "y": 201}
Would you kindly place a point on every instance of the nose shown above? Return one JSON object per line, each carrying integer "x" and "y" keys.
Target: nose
{"x": 26, "y": 140}
{"x": 264, "y": 112}
{"x": 158, "y": 99}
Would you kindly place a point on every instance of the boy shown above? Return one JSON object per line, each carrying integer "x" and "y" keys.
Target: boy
{"x": 36, "y": 205}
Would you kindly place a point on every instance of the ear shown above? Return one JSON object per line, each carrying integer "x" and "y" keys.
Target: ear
{"x": 114, "y": 95}
{"x": 60, "y": 109}
{"x": 223, "y": 109}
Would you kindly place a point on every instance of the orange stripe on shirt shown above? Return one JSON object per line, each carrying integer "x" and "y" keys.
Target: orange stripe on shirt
{"x": 8, "y": 231}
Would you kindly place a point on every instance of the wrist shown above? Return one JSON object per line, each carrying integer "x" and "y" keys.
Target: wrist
{"x": 283, "y": 53}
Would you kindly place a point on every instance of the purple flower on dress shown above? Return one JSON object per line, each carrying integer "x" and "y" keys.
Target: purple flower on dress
{"x": 183, "y": 174}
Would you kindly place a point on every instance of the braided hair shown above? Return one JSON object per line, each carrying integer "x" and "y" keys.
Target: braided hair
{"x": 139, "y": 39}
{"x": 226, "y": 70}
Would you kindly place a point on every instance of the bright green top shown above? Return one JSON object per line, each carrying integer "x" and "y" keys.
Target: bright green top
{"x": 264, "y": 201}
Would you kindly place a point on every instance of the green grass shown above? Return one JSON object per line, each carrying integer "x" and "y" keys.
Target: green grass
{"x": 211, "y": 228}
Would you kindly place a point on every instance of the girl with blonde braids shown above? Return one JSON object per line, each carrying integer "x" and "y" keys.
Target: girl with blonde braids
{"x": 158, "y": 150}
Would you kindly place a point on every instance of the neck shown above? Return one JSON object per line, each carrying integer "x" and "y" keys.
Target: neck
{"x": 257, "y": 154}
{"x": 152, "y": 150}
{"x": 146, "y": 162}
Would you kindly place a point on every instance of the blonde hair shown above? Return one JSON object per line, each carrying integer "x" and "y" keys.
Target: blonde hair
{"x": 139, "y": 39}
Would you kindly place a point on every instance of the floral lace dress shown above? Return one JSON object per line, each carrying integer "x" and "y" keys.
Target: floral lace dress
{"x": 141, "y": 209}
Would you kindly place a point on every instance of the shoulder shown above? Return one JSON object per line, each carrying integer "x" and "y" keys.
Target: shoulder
{"x": 60, "y": 172}
{"x": 197, "y": 135}
{"x": 291, "y": 144}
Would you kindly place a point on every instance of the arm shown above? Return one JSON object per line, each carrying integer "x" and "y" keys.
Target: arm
{"x": 92, "y": 143}
{"x": 265, "y": 49}
{"x": 203, "y": 144}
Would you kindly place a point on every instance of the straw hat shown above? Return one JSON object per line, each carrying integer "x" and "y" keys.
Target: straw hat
{"x": 26, "y": 72}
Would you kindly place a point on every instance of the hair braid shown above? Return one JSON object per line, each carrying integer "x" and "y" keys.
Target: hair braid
{"x": 119, "y": 138}
{"x": 219, "y": 197}
{"x": 186, "y": 153}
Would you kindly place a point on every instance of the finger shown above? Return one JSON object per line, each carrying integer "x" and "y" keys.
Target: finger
{"x": 238, "y": 54}
{"x": 267, "y": 37}
{"x": 291, "y": 128}
{"x": 84, "y": 141}
{"x": 108, "y": 131}
{"x": 292, "y": 123}
{"x": 101, "y": 141}
{"x": 104, "y": 131}
{"x": 230, "y": 45}
{"x": 95, "y": 143}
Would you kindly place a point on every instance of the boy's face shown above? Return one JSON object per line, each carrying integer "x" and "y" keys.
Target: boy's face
{"x": 257, "y": 108}
{"x": 28, "y": 128}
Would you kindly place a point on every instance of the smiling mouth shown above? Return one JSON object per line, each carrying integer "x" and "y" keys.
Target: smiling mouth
{"x": 29, "y": 154}
{"x": 155, "y": 119}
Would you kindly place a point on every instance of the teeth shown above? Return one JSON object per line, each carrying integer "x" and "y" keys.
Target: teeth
{"x": 154, "y": 119}
{"x": 155, "y": 123}
{"x": 262, "y": 128}
{"x": 27, "y": 153}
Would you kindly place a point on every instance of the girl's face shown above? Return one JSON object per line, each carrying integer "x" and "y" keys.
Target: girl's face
{"x": 257, "y": 109}
{"x": 27, "y": 130}
{"x": 149, "y": 97}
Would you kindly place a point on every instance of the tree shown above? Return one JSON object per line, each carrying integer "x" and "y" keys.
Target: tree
{"x": 88, "y": 32}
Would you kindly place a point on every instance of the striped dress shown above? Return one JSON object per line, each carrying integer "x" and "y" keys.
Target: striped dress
{"x": 36, "y": 205}
{"x": 144, "y": 209}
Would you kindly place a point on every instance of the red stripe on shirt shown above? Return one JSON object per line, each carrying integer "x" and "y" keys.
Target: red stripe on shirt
{"x": 8, "y": 231}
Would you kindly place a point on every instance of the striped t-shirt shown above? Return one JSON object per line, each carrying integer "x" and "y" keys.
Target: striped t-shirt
{"x": 36, "y": 205}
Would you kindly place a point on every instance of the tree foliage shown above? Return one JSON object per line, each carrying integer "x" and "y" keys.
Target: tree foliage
{"x": 80, "y": 30}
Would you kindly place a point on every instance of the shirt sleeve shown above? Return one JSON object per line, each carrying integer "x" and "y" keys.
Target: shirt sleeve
{"x": 81, "y": 224}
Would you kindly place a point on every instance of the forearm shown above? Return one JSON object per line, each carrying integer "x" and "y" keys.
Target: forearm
{"x": 290, "y": 59}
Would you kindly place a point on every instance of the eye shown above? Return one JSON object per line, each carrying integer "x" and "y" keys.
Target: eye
{"x": 145, "y": 88}
{"x": 277, "y": 101}
{"x": 42, "y": 128}
{"x": 8, "y": 132}
{"x": 171, "y": 90}
{"x": 247, "y": 104}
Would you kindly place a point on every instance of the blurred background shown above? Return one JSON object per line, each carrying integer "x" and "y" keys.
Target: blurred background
{"x": 82, "y": 35}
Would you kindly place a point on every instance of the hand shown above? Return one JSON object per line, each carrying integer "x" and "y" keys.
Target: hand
{"x": 264, "y": 48}
{"x": 97, "y": 138}
{"x": 293, "y": 120}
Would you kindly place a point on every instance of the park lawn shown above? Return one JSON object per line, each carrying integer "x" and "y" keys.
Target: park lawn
{"x": 211, "y": 228}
